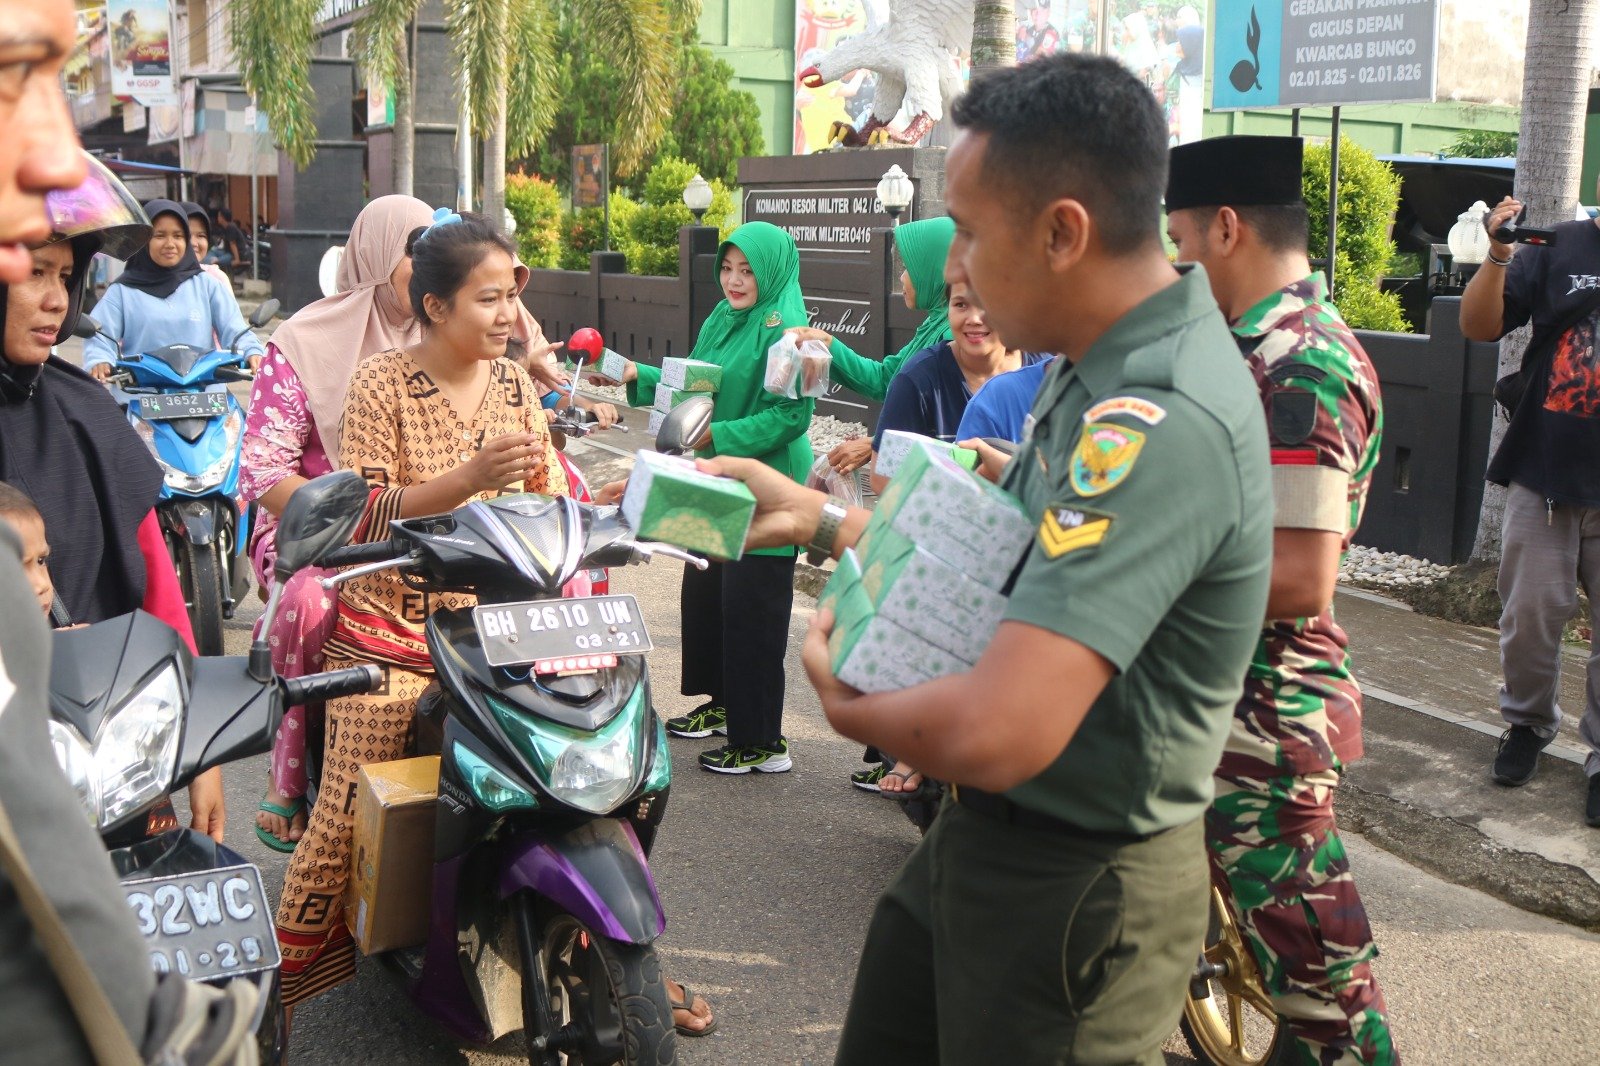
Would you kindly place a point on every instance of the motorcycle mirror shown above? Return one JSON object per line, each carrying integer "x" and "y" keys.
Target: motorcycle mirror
{"x": 263, "y": 314}
{"x": 684, "y": 425}
{"x": 319, "y": 517}
{"x": 85, "y": 326}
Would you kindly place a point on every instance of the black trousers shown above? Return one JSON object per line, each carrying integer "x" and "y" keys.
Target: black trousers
{"x": 735, "y": 636}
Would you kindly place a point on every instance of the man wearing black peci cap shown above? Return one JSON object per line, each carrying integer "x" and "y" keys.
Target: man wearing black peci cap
{"x": 1234, "y": 205}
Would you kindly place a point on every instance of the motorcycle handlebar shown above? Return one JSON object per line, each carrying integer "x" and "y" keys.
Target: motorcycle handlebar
{"x": 360, "y": 554}
{"x": 331, "y": 684}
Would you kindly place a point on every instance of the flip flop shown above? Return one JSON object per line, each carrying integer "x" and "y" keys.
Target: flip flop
{"x": 927, "y": 788}
{"x": 687, "y": 1003}
{"x": 286, "y": 811}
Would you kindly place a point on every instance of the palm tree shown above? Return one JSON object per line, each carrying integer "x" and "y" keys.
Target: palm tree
{"x": 1555, "y": 93}
{"x": 506, "y": 48}
{"x": 994, "y": 35}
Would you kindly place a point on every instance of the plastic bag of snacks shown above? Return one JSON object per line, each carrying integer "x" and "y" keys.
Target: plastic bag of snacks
{"x": 845, "y": 486}
{"x": 815, "y": 361}
{"x": 783, "y": 367}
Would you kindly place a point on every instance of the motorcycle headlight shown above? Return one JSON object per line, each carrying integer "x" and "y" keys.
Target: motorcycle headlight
{"x": 134, "y": 754}
{"x": 594, "y": 777}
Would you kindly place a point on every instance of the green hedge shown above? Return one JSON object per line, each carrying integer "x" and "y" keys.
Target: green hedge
{"x": 536, "y": 205}
{"x": 1369, "y": 193}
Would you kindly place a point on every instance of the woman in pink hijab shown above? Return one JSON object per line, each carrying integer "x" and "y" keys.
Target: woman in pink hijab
{"x": 292, "y": 435}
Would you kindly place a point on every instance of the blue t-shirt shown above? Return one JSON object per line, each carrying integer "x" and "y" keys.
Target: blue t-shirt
{"x": 1003, "y": 404}
{"x": 929, "y": 395}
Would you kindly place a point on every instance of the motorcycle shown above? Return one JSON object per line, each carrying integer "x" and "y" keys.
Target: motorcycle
{"x": 554, "y": 773}
{"x": 1228, "y": 1018}
{"x": 178, "y": 402}
{"x": 134, "y": 717}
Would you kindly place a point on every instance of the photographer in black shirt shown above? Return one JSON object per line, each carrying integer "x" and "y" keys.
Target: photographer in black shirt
{"x": 1549, "y": 462}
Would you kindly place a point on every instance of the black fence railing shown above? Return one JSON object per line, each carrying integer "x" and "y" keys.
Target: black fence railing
{"x": 1437, "y": 387}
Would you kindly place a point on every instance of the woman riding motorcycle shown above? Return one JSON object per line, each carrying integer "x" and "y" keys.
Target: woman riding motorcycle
{"x": 67, "y": 444}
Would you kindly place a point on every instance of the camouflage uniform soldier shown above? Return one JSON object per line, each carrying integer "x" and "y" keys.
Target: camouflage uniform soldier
{"x": 1235, "y": 206}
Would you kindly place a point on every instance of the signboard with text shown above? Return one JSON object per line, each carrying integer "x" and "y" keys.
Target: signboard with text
{"x": 141, "y": 51}
{"x": 822, "y": 219}
{"x": 1308, "y": 53}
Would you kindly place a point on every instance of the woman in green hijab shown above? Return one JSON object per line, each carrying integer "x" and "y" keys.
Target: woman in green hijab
{"x": 736, "y": 614}
{"x": 923, "y": 247}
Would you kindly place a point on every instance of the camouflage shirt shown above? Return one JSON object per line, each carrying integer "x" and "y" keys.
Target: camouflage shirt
{"x": 1301, "y": 709}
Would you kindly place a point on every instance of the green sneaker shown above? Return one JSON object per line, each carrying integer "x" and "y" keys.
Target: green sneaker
{"x": 703, "y": 721}
{"x": 728, "y": 759}
{"x": 868, "y": 779}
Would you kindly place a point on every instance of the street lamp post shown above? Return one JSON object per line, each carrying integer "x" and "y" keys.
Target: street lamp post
{"x": 697, "y": 198}
{"x": 894, "y": 192}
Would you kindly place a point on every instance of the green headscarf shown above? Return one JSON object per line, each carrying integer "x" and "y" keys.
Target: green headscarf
{"x": 924, "y": 245}
{"x": 779, "y": 303}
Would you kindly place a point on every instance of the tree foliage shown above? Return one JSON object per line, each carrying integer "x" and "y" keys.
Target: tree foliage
{"x": 711, "y": 123}
{"x": 272, "y": 42}
{"x": 1369, "y": 193}
{"x": 1483, "y": 144}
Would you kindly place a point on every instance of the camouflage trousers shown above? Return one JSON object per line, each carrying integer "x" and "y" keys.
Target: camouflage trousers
{"x": 1275, "y": 850}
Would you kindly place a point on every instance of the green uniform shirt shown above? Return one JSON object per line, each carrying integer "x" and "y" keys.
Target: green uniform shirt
{"x": 1147, "y": 470}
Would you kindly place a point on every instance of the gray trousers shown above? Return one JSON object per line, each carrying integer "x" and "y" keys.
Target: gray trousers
{"x": 1545, "y": 554}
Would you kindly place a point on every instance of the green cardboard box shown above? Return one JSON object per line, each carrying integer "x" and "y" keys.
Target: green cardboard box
{"x": 897, "y": 444}
{"x": 691, "y": 375}
{"x": 871, "y": 653}
{"x": 926, "y": 596}
{"x": 956, "y": 516}
{"x": 668, "y": 397}
{"x": 668, "y": 500}
{"x": 613, "y": 365}
{"x": 846, "y": 572}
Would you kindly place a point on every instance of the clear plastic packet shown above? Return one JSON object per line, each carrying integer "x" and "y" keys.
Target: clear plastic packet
{"x": 815, "y": 362}
{"x": 783, "y": 367}
{"x": 845, "y": 486}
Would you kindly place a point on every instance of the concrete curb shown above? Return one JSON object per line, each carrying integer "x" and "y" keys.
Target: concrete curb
{"x": 1461, "y": 854}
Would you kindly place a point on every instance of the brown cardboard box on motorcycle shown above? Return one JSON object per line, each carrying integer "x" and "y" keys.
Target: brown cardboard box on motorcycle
{"x": 386, "y": 905}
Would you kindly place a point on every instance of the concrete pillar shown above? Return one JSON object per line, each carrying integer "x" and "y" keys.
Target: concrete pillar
{"x": 316, "y": 206}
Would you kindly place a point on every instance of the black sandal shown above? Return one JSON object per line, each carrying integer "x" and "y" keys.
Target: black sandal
{"x": 687, "y": 1004}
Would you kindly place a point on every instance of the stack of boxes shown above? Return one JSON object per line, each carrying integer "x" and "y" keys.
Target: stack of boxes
{"x": 919, "y": 596}
{"x": 680, "y": 379}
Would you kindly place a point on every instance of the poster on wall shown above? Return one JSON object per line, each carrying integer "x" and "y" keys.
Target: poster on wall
{"x": 1163, "y": 41}
{"x": 141, "y": 51}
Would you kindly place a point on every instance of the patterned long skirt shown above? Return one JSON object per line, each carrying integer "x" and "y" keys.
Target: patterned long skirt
{"x": 317, "y": 950}
{"x": 304, "y": 623}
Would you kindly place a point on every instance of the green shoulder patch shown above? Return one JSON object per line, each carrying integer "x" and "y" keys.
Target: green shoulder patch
{"x": 1104, "y": 457}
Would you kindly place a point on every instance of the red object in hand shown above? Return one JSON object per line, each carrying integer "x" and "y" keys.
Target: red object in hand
{"x": 587, "y": 340}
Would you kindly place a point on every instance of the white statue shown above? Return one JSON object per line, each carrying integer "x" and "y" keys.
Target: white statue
{"x": 914, "y": 58}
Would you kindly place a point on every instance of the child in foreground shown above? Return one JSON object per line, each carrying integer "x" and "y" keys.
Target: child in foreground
{"x": 21, "y": 514}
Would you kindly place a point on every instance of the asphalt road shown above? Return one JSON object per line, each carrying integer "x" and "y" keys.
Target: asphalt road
{"x": 768, "y": 882}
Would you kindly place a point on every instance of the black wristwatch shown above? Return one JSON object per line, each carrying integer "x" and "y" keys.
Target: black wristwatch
{"x": 833, "y": 515}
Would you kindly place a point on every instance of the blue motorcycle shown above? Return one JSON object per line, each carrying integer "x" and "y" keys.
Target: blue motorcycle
{"x": 178, "y": 402}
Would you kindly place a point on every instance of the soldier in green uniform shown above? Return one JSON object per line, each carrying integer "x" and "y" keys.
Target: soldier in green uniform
{"x": 1054, "y": 911}
{"x": 1235, "y": 207}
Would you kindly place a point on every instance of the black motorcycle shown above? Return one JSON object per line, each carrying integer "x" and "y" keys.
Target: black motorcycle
{"x": 134, "y": 717}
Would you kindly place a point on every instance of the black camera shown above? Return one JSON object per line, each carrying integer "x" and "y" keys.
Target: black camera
{"x": 1514, "y": 232}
